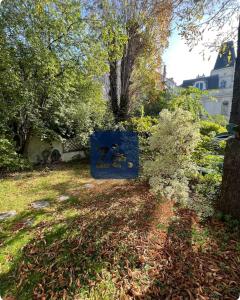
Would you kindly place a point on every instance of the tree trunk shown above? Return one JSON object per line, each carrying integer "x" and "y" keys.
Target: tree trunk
{"x": 113, "y": 92}
{"x": 120, "y": 107}
{"x": 26, "y": 144}
{"x": 23, "y": 138}
{"x": 126, "y": 71}
{"x": 229, "y": 202}
{"x": 131, "y": 52}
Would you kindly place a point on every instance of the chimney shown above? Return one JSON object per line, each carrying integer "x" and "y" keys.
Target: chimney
{"x": 164, "y": 73}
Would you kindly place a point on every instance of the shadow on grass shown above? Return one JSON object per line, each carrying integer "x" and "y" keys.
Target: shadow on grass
{"x": 194, "y": 265}
{"x": 22, "y": 221}
{"x": 172, "y": 279}
{"x": 79, "y": 168}
{"x": 71, "y": 254}
{"x": 109, "y": 233}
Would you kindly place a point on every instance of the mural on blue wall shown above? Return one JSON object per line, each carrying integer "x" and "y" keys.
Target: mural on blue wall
{"x": 114, "y": 154}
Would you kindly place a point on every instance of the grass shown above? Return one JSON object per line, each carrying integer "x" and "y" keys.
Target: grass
{"x": 37, "y": 185}
{"x": 112, "y": 241}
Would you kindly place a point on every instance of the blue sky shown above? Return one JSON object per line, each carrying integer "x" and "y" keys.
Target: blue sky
{"x": 183, "y": 64}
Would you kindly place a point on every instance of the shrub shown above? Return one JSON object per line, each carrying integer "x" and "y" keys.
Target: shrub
{"x": 208, "y": 153}
{"x": 9, "y": 159}
{"x": 144, "y": 126}
{"x": 209, "y": 127}
{"x": 158, "y": 100}
{"x": 205, "y": 194}
{"x": 188, "y": 99}
{"x": 209, "y": 158}
{"x": 172, "y": 144}
{"x": 219, "y": 119}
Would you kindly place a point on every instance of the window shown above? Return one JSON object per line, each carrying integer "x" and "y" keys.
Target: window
{"x": 200, "y": 85}
{"x": 225, "y": 105}
{"x": 223, "y": 84}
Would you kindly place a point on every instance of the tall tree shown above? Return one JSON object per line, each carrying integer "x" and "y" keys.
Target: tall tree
{"x": 130, "y": 27}
{"x": 229, "y": 202}
{"x": 49, "y": 64}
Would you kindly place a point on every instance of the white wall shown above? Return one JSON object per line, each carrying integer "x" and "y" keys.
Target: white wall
{"x": 226, "y": 74}
{"x": 36, "y": 147}
{"x": 70, "y": 155}
{"x": 221, "y": 95}
{"x": 215, "y": 106}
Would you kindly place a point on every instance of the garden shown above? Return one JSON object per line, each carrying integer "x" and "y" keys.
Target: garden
{"x": 69, "y": 69}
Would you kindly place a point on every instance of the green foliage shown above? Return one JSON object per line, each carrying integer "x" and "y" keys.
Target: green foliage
{"x": 190, "y": 100}
{"x": 200, "y": 236}
{"x": 142, "y": 125}
{"x": 233, "y": 224}
{"x": 213, "y": 162}
{"x": 49, "y": 68}
{"x": 9, "y": 159}
{"x": 207, "y": 127}
{"x": 208, "y": 156}
{"x": 206, "y": 191}
{"x": 114, "y": 39}
{"x": 157, "y": 101}
{"x": 219, "y": 119}
{"x": 172, "y": 144}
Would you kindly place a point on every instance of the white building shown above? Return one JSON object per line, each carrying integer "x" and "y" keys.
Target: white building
{"x": 219, "y": 83}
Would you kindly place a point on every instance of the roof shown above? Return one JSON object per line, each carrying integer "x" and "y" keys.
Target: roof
{"x": 226, "y": 56}
{"x": 212, "y": 82}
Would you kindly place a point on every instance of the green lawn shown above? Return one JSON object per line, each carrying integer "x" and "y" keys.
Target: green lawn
{"x": 18, "y": 192}
{"x": 110, "y": 241}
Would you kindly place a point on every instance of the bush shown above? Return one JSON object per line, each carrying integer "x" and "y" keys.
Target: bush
{"x": 209, "y": 127}
{"x": 209, "y": 158}
{"x": 205, "y": 194}
{"x": 9, "y": 159}
{"x": 208, "y": 153}
{"x": 188, "y": 99}
{"x": 158, "y": 100}
{"x": 144, "y": 127}
{"x": 172, "y": 144}
{"x": 219, "y": 119}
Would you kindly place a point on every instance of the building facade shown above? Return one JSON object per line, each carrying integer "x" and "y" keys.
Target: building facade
{"x": 219, "y": 83}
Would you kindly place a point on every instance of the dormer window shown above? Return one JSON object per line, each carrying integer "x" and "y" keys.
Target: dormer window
{"x": 200, "y": 85}
{"x": 223, "y": 84}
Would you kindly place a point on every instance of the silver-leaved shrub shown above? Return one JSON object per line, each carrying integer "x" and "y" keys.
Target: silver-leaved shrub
{"x": 172, "y": 144}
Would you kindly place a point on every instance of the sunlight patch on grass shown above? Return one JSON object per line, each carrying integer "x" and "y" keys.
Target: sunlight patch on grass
{"x": 107, "y": 242}
{"x": 12, "y": 250}
{"x": 104, "y": 289}
{"x": 17, "y": 193}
